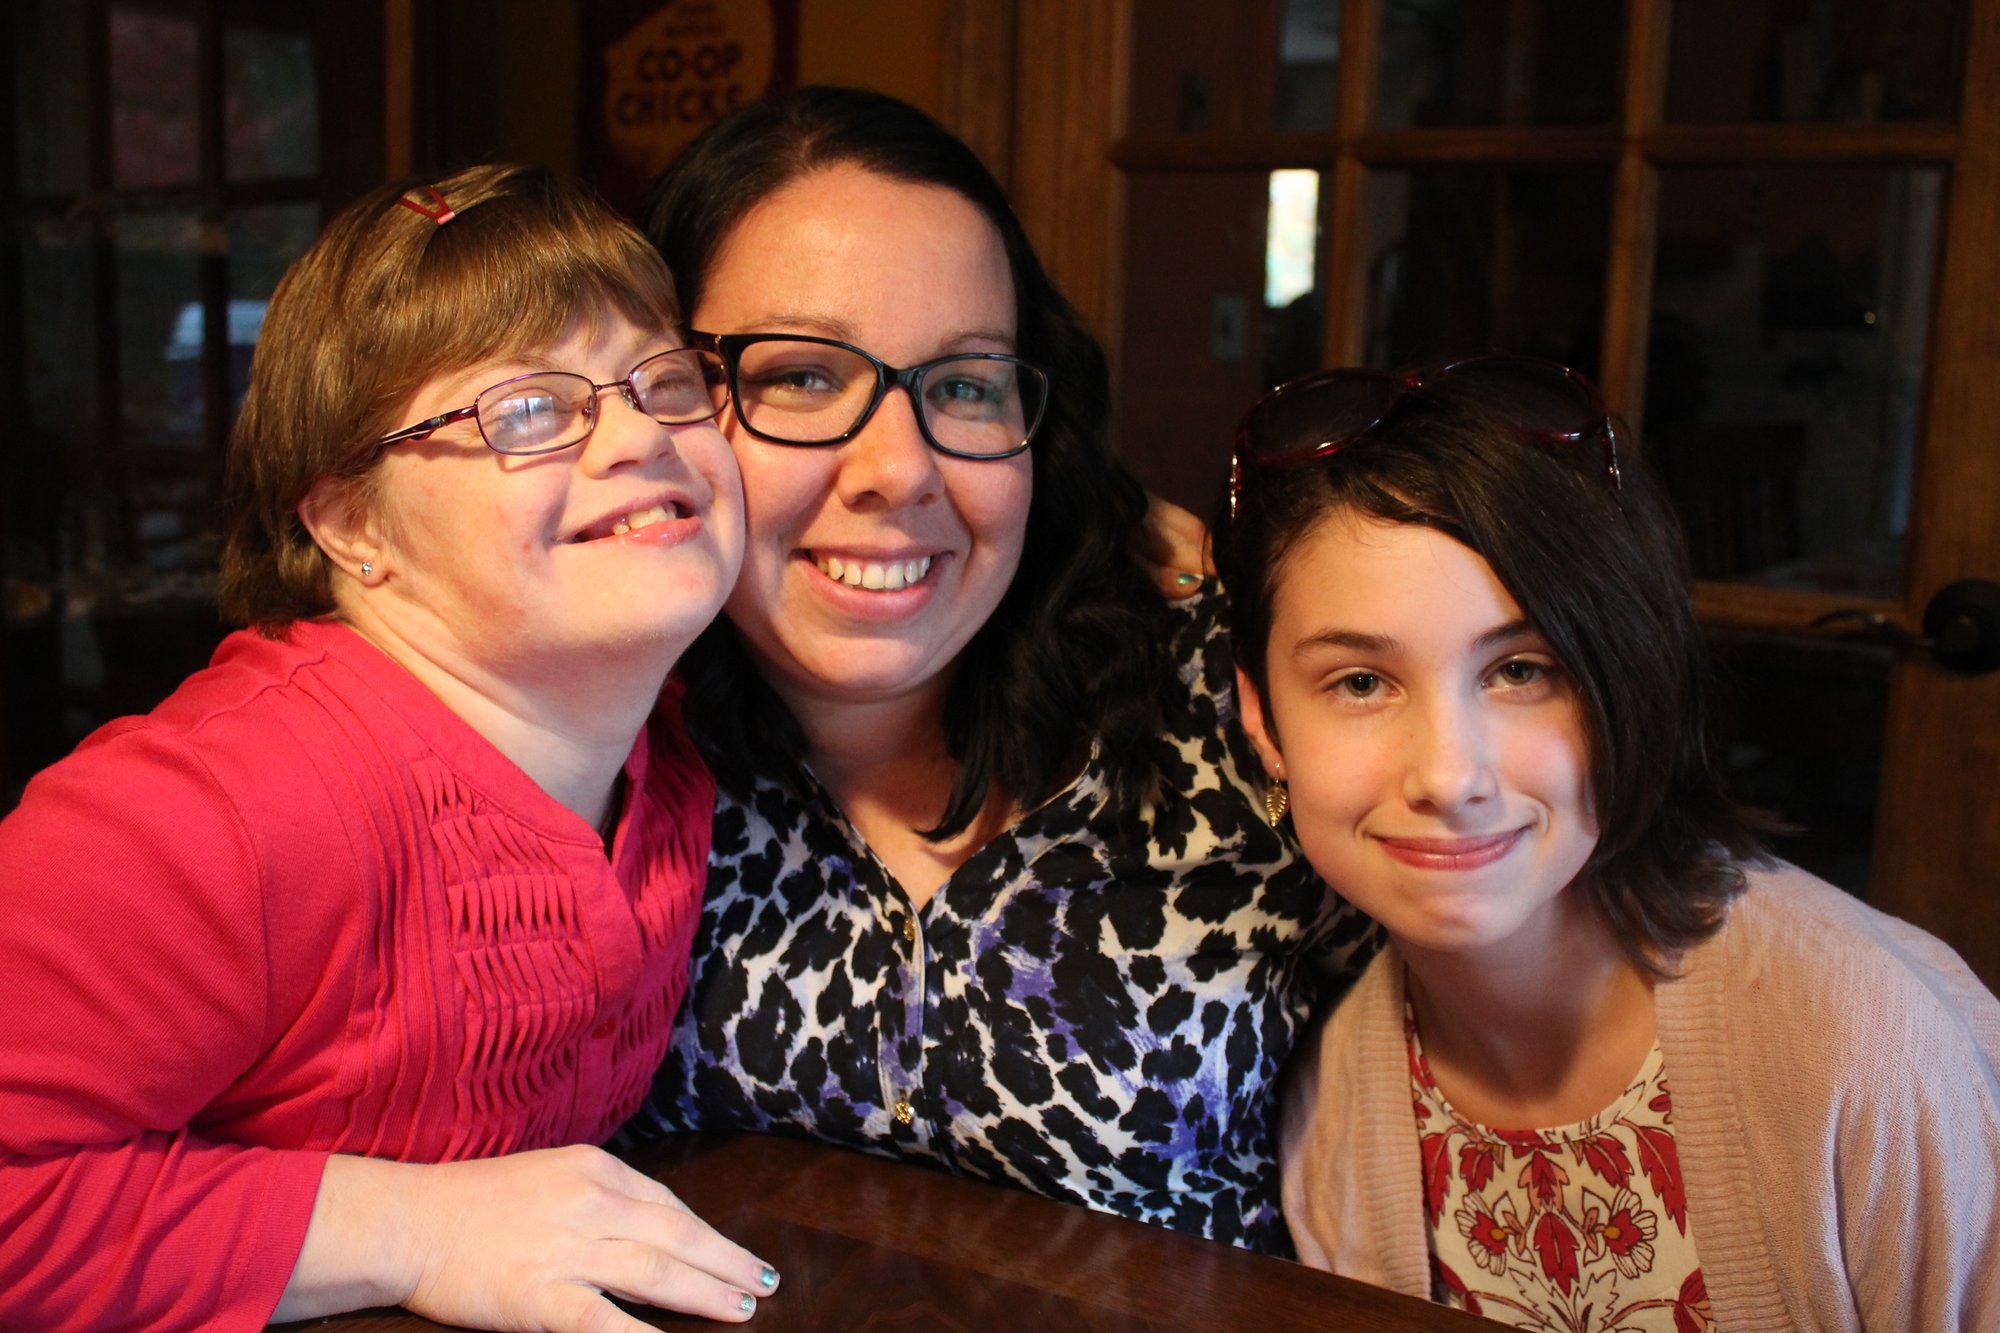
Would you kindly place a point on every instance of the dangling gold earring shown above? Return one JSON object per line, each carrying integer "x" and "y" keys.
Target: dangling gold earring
{"x": 1277, "y": 798}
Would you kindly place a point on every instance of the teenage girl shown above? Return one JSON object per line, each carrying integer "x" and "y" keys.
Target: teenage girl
{"x": 1618, "y": 1069}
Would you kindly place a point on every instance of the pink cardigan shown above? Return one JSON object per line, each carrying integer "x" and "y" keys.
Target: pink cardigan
{"x": 300, "y": 909}
{"x": 1836, "y": 1109}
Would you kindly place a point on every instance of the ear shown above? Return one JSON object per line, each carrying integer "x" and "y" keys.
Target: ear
{"x": 1250, "y": 707}
{"x": 343, "y": 527}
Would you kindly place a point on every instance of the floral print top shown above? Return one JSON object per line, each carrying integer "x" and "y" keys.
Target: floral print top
{"x": 1093, "y": 1009}
{"x": 1579, "y": 1229}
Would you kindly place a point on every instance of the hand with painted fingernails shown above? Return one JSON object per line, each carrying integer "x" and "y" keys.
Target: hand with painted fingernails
{"x": 543, "y": 1240}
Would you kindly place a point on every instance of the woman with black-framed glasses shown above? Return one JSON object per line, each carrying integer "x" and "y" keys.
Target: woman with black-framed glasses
{"x": 1618, "y": 1068}
{"x": 325, "y": 977}
{"x": 990, "y": 889}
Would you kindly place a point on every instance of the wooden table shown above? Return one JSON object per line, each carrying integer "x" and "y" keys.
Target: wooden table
{"x": 866, "y": 1243}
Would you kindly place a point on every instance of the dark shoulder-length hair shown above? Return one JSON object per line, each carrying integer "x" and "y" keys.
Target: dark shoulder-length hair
{"x": 1601, "y": 573}
{"x": 1074, "y": 653}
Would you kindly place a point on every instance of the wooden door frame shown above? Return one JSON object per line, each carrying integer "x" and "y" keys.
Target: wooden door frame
{"x": 1941, "y": 754}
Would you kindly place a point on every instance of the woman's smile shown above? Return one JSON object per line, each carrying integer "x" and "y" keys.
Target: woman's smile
{"x": 1469, "y": 853}
{"x": 873, "y": 562}
{"x": 874, "y": 575}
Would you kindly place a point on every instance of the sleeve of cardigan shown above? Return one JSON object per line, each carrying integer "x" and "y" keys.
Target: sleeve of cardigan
{"x": 134, "y": 952}
{"x": 1918, "y": 1125}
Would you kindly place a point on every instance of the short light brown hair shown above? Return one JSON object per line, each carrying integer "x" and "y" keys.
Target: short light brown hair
{"x": 385, "y": 301}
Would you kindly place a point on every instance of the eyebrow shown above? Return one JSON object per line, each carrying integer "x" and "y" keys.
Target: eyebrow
{"x": 1388, "y": 644}
{"x": 825, "y": 326}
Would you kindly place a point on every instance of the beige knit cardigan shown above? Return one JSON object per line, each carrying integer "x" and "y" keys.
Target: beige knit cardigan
{"x": 1836, "y": 1109}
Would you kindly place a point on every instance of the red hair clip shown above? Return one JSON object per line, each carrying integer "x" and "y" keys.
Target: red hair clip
{"x": 442, "y": 214}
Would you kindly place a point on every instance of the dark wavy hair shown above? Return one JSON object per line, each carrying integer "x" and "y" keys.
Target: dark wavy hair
{"x": 1075, "y": 652}
{"x": 1601, "y": 575}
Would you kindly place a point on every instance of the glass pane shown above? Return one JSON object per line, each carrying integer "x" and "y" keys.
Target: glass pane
{"x": 1198, "y": 69}
{"x": 1293, "y": 313}
{"x": 1193, "y": 343}
{"x": 1829, "y": 60}
{"x": 1791, "y": 311}
{"x": 49, "y": 116}
{"x": 1308, "y": 51}
{"x": 272, "y": 122}
{"x": 1499, "y": 62}
{"x": 153, "y": 100}
{"x": 1805, "y": 722}
{"x": 59, "y": 344}
{"x": 1469, "y": 259}
{"x": 262, "y": 243}
{"x": 41, "y": 502}
{"x": 160, "y": 333}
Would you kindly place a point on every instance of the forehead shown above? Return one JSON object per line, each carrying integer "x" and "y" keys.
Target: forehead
{"x": 846, "y": 246}
{"x": 600, "y": 342}
{"x": 1406, "y": 581}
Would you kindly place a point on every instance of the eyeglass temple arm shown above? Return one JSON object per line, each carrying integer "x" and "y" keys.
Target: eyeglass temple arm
{"x": 430, "y": 427}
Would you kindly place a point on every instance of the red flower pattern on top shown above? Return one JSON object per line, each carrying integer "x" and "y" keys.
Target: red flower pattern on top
{"x": 1573, "y": 1240}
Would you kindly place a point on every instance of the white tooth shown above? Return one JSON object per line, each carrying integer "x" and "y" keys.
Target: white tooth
{"x": 872, "y": 577}
{"x": 915, "y": 570}
{"x": 831, "y": 567}
{"x": 621, "y": 527}
{"x": 645, "y": 518}
{"x": 852, "y": 576}
{"x": 892, "y": 577}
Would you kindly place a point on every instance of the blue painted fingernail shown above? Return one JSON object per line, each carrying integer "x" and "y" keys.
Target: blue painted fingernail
{"x": 769, "y": 1277}
{"x": 746, "y": 1302}
{"x": 1187, "y": 580}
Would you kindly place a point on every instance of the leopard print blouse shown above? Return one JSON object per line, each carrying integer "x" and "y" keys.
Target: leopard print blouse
{"x": 1091, "y": 1009}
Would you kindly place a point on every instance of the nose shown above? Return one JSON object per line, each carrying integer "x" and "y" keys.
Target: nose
{"x": 889, "y": 464}
{"x": 623, "y": 433}
{"x": 1450, "y": 762}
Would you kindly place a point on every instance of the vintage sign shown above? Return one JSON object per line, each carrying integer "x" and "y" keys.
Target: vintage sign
{"x": 658, "y": 73}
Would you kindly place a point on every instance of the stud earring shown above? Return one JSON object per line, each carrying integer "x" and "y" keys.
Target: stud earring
{"x": 1277, "y": 800}
{"x": 367, "y": 568}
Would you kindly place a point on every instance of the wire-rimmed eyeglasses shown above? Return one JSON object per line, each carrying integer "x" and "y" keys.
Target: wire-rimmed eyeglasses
{"x": 548, "y": 410}
{"x": 792, "y": 388}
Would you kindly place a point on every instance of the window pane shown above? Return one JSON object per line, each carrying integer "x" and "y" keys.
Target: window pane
{"x": 262, "y": 243}
{"x": 272, "y": 107}
{"x": 153, "y": 100}
{"x": 49, "y": 113}
{"x": 160, "y": 331}
{"x": 1806, "y": 721}
{"x": 1831, "y": 60}
{"x": 1791, "y": 310}
{"x": 1308, "y": 51}
{"x": 1293, "y": 317}
{"x": 1499, "y": 62}
{"x": 1469, "y": 259}
{"x": 60, "y": 342}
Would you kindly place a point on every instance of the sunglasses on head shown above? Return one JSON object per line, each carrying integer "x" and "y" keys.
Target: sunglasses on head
{"x": 1318, "y": 415}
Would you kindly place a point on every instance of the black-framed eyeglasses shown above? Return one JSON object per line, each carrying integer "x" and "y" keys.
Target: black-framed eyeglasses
{"x": 790, "y": 388}
{"x": 548, "y": 410}
{"x": 1320, "y": 414}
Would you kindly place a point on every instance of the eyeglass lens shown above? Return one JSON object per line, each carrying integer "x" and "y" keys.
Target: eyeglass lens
{"x": 1337, "y": 405}
{"x": 554, "y": 409}
{"x": 815, "y": 393}
{"x": 1538, "y": 398}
